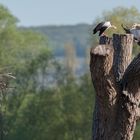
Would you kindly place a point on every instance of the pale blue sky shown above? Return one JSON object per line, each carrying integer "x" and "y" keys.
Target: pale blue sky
{"x": 61, "y": 12}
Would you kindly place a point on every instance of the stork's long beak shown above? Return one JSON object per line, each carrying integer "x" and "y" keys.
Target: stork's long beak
{"x": 114, "y": 27}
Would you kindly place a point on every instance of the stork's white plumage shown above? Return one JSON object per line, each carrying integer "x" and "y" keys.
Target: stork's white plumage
{"x": 102, "y": 27}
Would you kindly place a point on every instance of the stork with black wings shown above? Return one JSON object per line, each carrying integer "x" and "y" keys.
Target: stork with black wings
{"x": 102, "y": 27}
{"x": 135, "y": 30}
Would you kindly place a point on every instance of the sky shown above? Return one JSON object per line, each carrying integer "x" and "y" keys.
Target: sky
{"x": 62, "y": 12}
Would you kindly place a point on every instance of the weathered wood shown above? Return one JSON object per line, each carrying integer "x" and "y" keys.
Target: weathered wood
{"x": 117, "y": 86}
{"x": 104, "y": 84}
{"x": 129, "y": 100}
{"x": 122, "y": 44}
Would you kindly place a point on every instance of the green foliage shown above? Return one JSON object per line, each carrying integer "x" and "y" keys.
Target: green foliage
{"x": 46, "y": 103}
{"x": 61, "y": 113}
{"x": 137, "y": 134}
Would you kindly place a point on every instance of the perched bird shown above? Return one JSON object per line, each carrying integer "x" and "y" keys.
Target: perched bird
{"x": 136, "y": 26}
{"x": 135, "y": 30}
{"x": 102, "y": 27}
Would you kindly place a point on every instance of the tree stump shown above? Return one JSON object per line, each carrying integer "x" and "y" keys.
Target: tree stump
{"x": 116, "y": 80}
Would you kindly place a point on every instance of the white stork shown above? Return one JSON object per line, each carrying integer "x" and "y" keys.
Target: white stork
{"x": 102, "y": 27}
{"x": 135, "y": 30}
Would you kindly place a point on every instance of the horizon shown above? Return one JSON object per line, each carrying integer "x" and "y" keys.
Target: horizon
{"x": 56, "y": 25}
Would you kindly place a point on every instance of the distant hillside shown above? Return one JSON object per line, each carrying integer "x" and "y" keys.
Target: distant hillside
{"x": 58, "y": 36}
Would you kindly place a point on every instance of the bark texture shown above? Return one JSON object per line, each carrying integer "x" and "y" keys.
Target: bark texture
{"x": 117, "y": 84}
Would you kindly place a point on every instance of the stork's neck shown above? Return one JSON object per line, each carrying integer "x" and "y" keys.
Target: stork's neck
{"x": 107, "y": 23}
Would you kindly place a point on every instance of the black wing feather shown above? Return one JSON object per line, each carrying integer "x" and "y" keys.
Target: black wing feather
{"x": 102, "y": 30}
{"x": 98, "y": 27}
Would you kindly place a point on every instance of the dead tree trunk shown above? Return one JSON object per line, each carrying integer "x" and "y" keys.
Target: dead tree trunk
{"x": 117, "y": 84}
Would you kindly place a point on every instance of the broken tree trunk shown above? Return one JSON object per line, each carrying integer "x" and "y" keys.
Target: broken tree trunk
{"x": 117, "y": 85}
